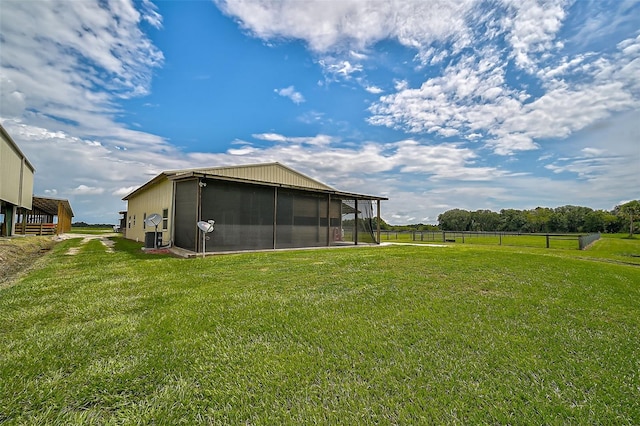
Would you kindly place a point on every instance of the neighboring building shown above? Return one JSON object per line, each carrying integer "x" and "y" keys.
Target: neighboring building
{"x": 47, "y": 216}
{"x": 259, "y": 206}
{"x": 16, "y": 183}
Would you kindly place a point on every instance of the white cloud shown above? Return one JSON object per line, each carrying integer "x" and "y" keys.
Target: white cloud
{"x": 87, "y": 190}
{"x": 339, "y": 32}
{"x": 472, "y": 97}
{"x": 532, "y": 28}
{"x": 88, "y": 52}
{"x": 473, "y": 94}
{"x": 121, "y": 192}
{"x": 592, "y": 152}
{"x": 351, "y": 25}
{"x": 374, "y": 89}
{"x": 339, "y": 69}
{"x": 319, "y": 140}
{"x": 291, "y": 93}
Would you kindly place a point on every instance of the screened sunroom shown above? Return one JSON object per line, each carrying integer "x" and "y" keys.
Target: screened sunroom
{"x": 264, "y": 206}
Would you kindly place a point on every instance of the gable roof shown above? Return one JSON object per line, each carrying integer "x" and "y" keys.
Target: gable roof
{"x": 273, "y": 174}
{"x": 50, "y": 205}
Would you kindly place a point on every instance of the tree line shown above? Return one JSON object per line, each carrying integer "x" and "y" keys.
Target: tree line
{"x": 545, "y": 220}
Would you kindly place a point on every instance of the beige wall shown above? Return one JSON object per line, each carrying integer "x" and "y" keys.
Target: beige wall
{"x": 16, "y": 174}
{"x": 27, "y": 187}
{"x": 153, "y": 200}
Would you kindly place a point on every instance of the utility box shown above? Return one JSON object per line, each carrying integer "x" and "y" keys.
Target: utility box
{"x": 152, "y": 239}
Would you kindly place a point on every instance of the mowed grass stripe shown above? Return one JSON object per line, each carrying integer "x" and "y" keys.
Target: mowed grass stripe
{"x": 368, "y": 335}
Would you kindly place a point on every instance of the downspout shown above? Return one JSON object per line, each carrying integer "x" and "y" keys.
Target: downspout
{"x": 275, "y": 215}
{"x": 355, "y": 227}
{"x": 198, "y": 215}
{"x": 172, "y": 215}
{"x": 328, "y": 220}
{"x": 378, "y": 221}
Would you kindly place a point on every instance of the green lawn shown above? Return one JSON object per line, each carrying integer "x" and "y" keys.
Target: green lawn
{"x": 91, "y": 230}
{"x": 365, "y": 335}
{"x": 569, "y": 242}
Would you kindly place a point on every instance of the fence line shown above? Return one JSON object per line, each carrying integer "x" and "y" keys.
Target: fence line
{"x": 586, "y": 240}
{"x": 583, "y": 241}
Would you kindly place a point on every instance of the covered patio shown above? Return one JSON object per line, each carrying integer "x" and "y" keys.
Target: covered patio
{"x": 48, "y": 216}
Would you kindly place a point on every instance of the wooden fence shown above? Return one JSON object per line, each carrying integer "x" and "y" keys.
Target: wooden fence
{"x": 36, "y": 228}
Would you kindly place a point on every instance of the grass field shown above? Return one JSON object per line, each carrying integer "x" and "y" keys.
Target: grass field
{"x": 364, "y": 335}
{"x": 90, "y": 230}
{"x": 568, "y": 242}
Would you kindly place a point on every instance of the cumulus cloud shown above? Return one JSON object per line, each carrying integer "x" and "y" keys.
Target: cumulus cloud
{"x": 340, "y": 35}
{"x": 337, "y": 68}
{"x": 374, "y": 89}
{"x": 532, "y": 27}
{"x": 86, "y": 190}
{"x": 121, "y": 192}
{"x": 473, "y": 96}
{"x": 318, "y": 140}
{"x": 90, "y": 52}
{"x": 351, "y": 25}
{"x": 291, "y": 93}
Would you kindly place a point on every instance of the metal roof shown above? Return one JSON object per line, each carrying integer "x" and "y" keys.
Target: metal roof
{"x": 270, "y": 174}
{"x": 50, "y": 205}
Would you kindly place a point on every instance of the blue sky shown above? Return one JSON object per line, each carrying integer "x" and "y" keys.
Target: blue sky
{"x": 434, "y": 104}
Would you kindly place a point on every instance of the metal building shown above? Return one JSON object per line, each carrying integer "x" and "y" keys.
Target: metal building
{"x": 16, "y": 183}
{"x": 257, "y": 206}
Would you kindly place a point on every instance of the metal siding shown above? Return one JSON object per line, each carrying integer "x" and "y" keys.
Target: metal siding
{"x": 271, "y": 173}
{"x": 152, "y": 200}
{"x": 27, "y": 186}
{"x": 10, "y": 182}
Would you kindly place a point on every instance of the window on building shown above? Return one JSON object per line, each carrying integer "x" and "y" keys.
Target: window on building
{"x": 165, "y": 219}
{"x": 129, "y": 223}
{"x": 144, "y": 222}
{"x": 134, "y": 220}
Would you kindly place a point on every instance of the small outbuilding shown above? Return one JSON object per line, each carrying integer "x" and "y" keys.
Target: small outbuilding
{"x": 47, "y": 216}
{"x": 254, "y": 207}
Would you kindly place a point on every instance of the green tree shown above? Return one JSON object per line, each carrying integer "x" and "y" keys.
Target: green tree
{"x": 455, "y": 220}
{"x": 631, "y": 212}
{"x": 574, "y": 217}
{"x": 538, "y": 219}
{"x": 595, "y": 221}
{"x": 383, "y": 225}
{"x": 557, "y": 222}
{"x": 484, "y": 220}
{"x": 512, "y": 220}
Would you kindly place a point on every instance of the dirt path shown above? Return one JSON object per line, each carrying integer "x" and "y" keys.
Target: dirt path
{"x": 103, "y": 238}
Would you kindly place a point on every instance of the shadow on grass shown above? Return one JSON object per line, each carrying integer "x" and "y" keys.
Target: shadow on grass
{"x": 134, "y": 250}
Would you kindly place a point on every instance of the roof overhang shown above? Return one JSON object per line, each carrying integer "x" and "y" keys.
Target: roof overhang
{"x": 338, "y": 194}
{"x": 50, "y": 205}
